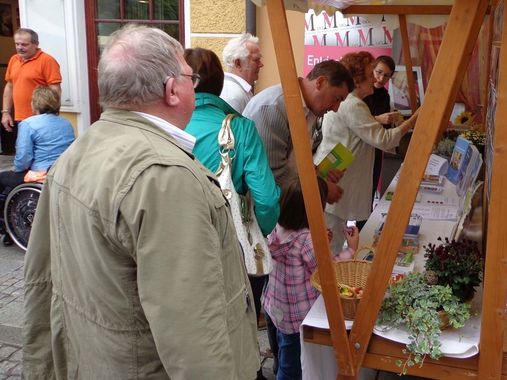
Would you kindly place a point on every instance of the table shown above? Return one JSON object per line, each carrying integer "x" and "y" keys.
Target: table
{"x": 318, "y": 360}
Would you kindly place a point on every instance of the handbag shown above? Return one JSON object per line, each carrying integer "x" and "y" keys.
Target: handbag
{"x": 255, "y": 249}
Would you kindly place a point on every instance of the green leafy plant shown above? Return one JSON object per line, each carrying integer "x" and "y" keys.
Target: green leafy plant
{"x": 458, "y": 264}
{"x": 445, "y": 147}
{"x": 415, "y": 305}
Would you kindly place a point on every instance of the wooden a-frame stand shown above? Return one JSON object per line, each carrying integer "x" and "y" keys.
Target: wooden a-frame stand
{"x": 360, "y": 348}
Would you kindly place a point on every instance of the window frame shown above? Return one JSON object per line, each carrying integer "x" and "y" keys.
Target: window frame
{"x": 91, "y": 17}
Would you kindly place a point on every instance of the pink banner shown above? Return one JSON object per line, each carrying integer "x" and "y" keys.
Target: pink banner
{"x": 315, "y": 54}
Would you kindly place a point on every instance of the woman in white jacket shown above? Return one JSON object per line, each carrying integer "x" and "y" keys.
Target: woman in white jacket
{"x": 354, "y": 126}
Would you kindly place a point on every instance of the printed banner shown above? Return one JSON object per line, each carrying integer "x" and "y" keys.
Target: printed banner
{"x": 331, "y": 37}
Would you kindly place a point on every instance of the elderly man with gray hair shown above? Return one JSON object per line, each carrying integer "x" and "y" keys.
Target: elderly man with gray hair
{"x": 242, "y": 59}
{"x": 133, "y": 270}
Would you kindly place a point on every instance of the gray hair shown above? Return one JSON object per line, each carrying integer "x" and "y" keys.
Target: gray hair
{"x": 134, "y": 65}
{"x": 33, "y": 35}
{"x": 236, "y": 49}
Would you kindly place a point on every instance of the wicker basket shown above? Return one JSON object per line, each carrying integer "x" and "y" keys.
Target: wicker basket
{"x": 351, "y": 273}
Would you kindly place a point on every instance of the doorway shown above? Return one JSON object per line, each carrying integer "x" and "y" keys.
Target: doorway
{"x": 9, "y": 23}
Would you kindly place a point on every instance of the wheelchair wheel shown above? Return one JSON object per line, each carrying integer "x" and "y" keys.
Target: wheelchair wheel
{"x": 19, "y": 212}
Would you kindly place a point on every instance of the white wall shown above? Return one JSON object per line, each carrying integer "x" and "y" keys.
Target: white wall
{"x": 61, "y": 28}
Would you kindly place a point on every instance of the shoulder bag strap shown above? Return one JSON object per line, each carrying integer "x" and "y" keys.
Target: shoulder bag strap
{"x": 226, "y": 143}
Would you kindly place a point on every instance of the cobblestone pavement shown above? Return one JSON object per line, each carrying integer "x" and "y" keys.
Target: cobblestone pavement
{"x": 11, "y": 299}
{"x": 11, "y": 366}
{"x": 11, "y": 287}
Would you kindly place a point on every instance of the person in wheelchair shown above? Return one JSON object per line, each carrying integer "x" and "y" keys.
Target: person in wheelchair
{"x": 41, "y": 140}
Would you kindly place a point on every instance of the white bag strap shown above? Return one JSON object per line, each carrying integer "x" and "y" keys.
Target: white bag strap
{"x": 226, "y": 143}
{"x": 225, "y": 136}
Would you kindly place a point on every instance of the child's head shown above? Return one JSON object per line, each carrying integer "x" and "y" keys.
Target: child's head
{"x": 292, "y": 205}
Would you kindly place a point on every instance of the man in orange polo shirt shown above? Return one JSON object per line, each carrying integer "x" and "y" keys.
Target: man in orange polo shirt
{"x": 27, "y": 69}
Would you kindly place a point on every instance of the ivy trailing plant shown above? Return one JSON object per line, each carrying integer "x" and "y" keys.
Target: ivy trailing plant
{"x": 458, "y": 264}
{"x": 413, "y": 304}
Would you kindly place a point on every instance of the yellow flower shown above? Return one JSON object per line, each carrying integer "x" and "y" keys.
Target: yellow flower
{"x": 464, "y": 118}
{"x": 477, "y": 138}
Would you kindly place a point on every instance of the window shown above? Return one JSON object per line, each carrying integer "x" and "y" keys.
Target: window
{"x": 103, "y": 17}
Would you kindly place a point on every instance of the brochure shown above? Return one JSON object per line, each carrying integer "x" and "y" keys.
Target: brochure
{"x": 404, "y": 262}
{"x": 412, "y": 230}
{"x": 390, "y": 194}
{"x": 338, "y": 158}
{"x": 437, "y": 166}
{"x": 459, "y": 159}
{"x": 467, "y": 178}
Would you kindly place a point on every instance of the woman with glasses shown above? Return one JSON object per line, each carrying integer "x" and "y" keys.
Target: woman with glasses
{"x": 250, "y": 167}
{"x": 379, "y": 104}
{"x": 356, "y": 128}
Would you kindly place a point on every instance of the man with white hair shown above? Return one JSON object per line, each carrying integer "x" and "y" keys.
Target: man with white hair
{"x": 243, "y": 61}
{"x": 134, "y": 270}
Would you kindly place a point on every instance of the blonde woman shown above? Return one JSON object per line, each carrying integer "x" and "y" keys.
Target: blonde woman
{"x": 41, "y": 140}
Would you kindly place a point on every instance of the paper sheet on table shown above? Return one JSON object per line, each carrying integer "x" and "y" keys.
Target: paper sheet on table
{"x": 457, "y": 343}
{"x": 317, "y": 316}
{"x": 436, "y": 166}
{"x": 428, "y": 211}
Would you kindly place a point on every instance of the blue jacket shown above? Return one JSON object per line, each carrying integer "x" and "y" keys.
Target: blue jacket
{"x": 250, "y": 167}
{"x": 41, "y": 140}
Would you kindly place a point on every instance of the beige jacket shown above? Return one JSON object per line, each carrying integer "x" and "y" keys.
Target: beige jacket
{"x": 355, "y": 127}
{"x": 133, "y": 270}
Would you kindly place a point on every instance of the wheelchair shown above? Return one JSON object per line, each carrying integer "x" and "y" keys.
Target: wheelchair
{"x": 19, "y": 211}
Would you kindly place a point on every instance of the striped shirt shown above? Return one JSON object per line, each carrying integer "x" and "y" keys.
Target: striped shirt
{"x": 267, "y": 109}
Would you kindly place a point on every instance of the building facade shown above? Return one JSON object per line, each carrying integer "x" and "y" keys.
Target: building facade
{"x": 74, "y": 31}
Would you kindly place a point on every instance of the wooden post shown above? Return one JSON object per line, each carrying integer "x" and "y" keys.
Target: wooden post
{"x": 307, "y": 175}
{"x": 495, "y": 283}
{"x": 407, "y": 59}
{"x": 459, "y": 39}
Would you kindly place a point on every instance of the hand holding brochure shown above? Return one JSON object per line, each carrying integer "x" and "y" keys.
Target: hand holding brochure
{"x": 338, "y": 158}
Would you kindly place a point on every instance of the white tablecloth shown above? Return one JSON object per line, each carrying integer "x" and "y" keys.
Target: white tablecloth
{"x": 319, "y": 362}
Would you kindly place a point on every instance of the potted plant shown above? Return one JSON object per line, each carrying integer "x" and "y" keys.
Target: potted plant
{"x": 417, "y": 306}
{"x": 458, "y": 264}
{"x": 445, "y": 146}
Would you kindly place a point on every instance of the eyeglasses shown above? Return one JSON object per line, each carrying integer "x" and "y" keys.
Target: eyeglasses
{"x": 380, "y": 73}
{"x": 196, "y": 78}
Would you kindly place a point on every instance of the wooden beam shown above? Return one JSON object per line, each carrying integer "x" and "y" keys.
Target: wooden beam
{"x": 407, "y": 59}
{"x": 495, "y": 283}
{"x": 398, "y": 9}
{"x": 383, "y": 353}
{"x": 459, "y": 40}
{"x": 308, "y": 179}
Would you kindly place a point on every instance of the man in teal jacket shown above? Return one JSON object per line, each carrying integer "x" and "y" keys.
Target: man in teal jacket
{"x": 133, "y": 270}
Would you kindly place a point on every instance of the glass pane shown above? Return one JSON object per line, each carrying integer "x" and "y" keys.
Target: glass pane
{"x": 104, "y": 30}
{"x": 172, "y": 29}
{"x": 165, "y": 9}
{"x": 108, "y": 9}
{"x": 136, "y": 10}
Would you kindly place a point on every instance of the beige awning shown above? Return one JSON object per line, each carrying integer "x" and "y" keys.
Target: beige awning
{"x": 304, "y": 5}
{"x": 426, "y": 17}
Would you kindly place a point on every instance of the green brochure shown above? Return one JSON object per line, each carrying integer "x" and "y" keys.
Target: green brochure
{"x": 338, "y": 158}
